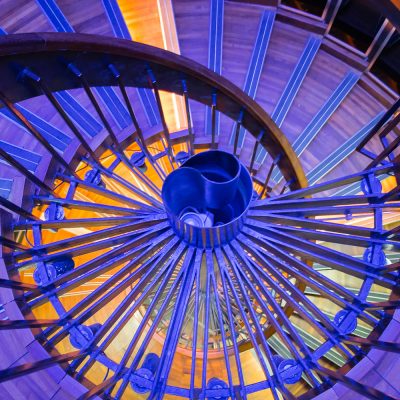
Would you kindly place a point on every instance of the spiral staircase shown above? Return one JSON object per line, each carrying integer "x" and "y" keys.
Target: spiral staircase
{"x": 199, "y": 199}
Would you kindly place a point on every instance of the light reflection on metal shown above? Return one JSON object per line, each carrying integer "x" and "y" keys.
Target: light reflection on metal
{"x": 207, "y": 198}
{"x": 207, "y": 292}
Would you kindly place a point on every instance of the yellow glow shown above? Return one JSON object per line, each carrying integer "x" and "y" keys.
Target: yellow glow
{"x": 148, "y": 23}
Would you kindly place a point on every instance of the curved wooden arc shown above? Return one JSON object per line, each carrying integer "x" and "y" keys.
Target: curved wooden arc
{"x": 48, "y": 54}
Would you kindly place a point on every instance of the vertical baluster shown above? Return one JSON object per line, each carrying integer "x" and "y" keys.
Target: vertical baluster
{"x": 128, "y": 104}
{"x": 213, "y": 119}
{"x": 73, "y": 68}
{"x": 47, "y": 92}
{"x": 237, "y": 132}
{"x": 188, "y": 117}
{"x": 255, "y": 150}
{"x": 271, "y": 169}
{"x": 140, "y": 138}
{"x": 285, "y": 186}
{"x": 382, "y": 121}
{"x": 167, "y": 138}
{"x": 120, "y": 152}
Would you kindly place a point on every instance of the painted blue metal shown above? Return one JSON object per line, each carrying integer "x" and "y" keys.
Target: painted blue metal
{"x": 221, "y": 284}
{"x": 177, "y": 318}
{"x": 217, "y": 386}
{"x": 54, "y": 212}
{"x": 346, "y": 321}
{"x": 354, "y": 188}
{"x": 147, "y": 371}
{"x": 293, "y": 86}
{"x": 290, "y": 370}
{"x": 143, "y": 323}
{"x": 208, "y": 299}
{"x": 263, "y": 349}
{"x": 49, "y": 271}
{"x": 138, "y": 160}
{"x": 128, "y": 185}
{"x": 181, "y": 157}
{"x": 107, "y": 94}
{"x": 257, "y": 62}
{"x": 207, "y": 198}
{"x": 215, "y": 53}
{"x": 28, "y": 159}
{"x": 93, "y": 176}
{"x": 100, "y": 264}
{"x": 258, "y": 289}
{"x": 116, "y": 284}
{"x": 164, "y": 272}
{"x": 83, "y": 334}
{"x": 120, "y": 29}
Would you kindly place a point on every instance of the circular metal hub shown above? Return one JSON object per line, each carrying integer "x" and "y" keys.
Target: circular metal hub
{"x": 207, "y": 198}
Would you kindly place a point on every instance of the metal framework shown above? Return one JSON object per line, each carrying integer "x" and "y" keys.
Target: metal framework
{"x": 268, "y": 293}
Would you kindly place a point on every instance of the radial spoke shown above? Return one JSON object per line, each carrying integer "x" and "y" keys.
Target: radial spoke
{"x": 171, "y": 339}
{"x": 126, "y": 184}
{"x": 247, "y": 323}
{"x": 324, "y": 255}
{"x": 335, "y": 183}
{"x": 95, "y": 267}
{"x": 77, "y": 223}
{"x": 135, "y": 270}
{"x": 137, "y": 225}
{"x": 260, "y": 287}
{"x": 116, "y": 196}
{"x": 311, "y": 234}
{"x": 144, "y": 287}
{"x": 92, "y": 247}
{"x": 304, "y": 272}
{"x": 227, "y": 300}
{"x": 296, "y": 299}
{"x": 275, "y": 380}
{"x": 179, "y": 280}
{"x": 312, "y": 223}
{"x": 88, "y": 206}
{"x": 210, "y": 270}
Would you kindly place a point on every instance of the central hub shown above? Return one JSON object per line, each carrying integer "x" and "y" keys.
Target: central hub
{"x": 207, "y": 198}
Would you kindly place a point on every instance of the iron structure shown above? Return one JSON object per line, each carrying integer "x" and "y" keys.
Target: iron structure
{"x": 194, "y": 257}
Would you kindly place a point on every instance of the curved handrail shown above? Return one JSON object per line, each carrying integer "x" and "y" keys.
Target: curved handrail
{"x": 48, "y": 54}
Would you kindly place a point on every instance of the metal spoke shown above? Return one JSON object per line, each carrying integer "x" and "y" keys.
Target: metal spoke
{"x": 241, "y": 283}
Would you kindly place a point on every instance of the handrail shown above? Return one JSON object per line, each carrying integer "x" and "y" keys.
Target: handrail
{"x": 49, "y": 54}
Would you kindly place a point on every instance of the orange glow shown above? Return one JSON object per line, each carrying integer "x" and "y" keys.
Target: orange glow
{"x": 146, "y": 25}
